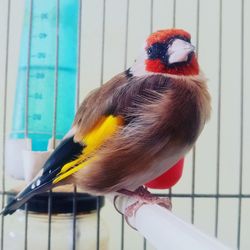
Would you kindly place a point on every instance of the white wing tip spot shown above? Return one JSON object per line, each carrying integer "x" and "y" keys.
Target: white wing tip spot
{"x": 38, "y": 182}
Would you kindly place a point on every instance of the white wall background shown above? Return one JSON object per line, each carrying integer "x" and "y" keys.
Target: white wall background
{"x": 230, "y": 101}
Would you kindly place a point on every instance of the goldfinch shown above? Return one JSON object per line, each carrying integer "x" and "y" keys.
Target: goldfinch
{"x": 134, "y": 127}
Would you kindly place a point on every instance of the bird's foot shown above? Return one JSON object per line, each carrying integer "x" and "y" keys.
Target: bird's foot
{"x": 142, "y": 197}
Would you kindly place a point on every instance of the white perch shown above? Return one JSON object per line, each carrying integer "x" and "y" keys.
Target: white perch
{"x": 166, "y": 231}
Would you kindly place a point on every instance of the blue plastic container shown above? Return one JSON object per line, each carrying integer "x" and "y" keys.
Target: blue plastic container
{"x": 41, "y": 78}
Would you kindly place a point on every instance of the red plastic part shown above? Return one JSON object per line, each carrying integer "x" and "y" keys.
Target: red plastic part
{"x": 169, "y": 178}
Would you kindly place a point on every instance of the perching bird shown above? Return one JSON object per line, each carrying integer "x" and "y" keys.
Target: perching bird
{"x": 133, "y": 128}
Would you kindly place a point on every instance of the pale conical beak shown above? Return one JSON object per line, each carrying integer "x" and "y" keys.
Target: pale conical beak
{"x": 179, "y": 51}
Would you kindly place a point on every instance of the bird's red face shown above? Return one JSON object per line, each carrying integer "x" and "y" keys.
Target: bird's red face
{"x": 170, "y": 51}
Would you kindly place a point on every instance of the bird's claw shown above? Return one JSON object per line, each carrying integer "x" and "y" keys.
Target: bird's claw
{"x": 143, "y": 197}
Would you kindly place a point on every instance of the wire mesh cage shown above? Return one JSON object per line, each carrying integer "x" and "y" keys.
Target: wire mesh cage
{"x": 214, "y": 191}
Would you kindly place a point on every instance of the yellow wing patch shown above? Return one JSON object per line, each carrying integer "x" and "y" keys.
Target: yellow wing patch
{"x": 101, "y": 132}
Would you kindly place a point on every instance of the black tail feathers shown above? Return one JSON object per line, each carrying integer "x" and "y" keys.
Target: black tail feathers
{"x": 12, "y": 206}
{"x": 23, "y": 197}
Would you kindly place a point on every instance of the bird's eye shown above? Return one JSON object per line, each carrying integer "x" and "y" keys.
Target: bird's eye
{"x": 169, "y": 43}
{"x": 156, "y": 50}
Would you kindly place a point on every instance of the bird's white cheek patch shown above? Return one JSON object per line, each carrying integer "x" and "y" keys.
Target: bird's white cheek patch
{"x": 138, "y": 69}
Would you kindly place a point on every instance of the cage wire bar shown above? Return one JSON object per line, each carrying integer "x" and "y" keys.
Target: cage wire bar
{"x": 242, "y": 65}
{"x": 194, "y": 148}
{"x": 101, "y": 83}
{"x": 54, "y": 115}
{"x": 4, "y": 117}
{"x": 219, "y": 121}
{"x": 26, "y": 128}
{"x": 193, "y": 195}
{"x": 151, "y": 25}
{"x": 77, "y": 105}
{"x": 124, "y": 68}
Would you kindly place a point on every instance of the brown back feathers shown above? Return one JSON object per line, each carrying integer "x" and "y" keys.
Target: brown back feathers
{"x": 163, "y": 118}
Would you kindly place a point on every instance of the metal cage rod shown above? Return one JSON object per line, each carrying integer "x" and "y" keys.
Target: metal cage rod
{"x": 54, "y": 114}
{"x": 126, "y": 36}
{"x": 26, "y": 227}
{"x": 194, "y": 148}
{"x": 56, "y": 72}
{"x": 74, "y": 212}
{"x": 217, "y": 196}
{"x": 74, "y": 218}
{"x": 49, "y": 219}
{"x": 151, "y": 25}
{"x": 4, "y": 117}
{"x": 101, "y": 82}
{"x": 218, "y": 121}
{"x": 125, "y": 67}
{"x": 186, "y": 195}
{"x": 98, "y": 208}
{"x": 103, "y": 41}
{"x": 241, "y": 121}
{"x": 174, "y": 13}
{"x": 79, "y": 55}
{"x": 26, "y": 130}
{"x": 173, "y": 24}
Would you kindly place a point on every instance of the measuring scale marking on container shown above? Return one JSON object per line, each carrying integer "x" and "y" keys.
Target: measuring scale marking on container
{"x": 40, "y": 52}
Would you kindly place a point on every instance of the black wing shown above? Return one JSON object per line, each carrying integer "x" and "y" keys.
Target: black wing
{"x": 66, "y": 151}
